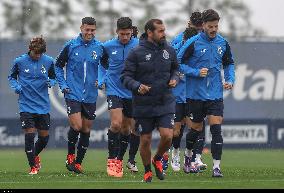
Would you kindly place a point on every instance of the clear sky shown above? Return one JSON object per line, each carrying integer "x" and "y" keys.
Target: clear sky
{"x": 268, "y": 15}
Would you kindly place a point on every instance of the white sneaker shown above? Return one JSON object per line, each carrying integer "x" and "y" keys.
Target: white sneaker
{"x": 175, "y": 163}
{"x": 131, "y": 166}
{"x": 200, "y": 165}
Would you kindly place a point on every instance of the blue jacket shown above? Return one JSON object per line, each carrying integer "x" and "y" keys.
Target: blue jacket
{"x": 179, "y": 90}
{"x": 202, "y": 52}
{"x": 30, "y": 78}
{"x": 114, "y": 56}
{"x": 81, "y": 60}
{"x": 177, "y": 39}
{"x": 152, "y": 65}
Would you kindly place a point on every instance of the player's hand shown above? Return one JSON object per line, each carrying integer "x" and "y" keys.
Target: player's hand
{"x": 102, "y": 86}
{"x": 172, "y": 83}
{"x": 143, "y": 89}
{"x": 203, "y": 72}
{"x": 51, "y": 83}
{"x": 227, "y": 86}
{"x": 18, "y": 89}
{"x": 66, "y": 90}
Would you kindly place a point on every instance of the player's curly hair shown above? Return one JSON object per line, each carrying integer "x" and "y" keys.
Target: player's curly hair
{"x": 196, "y": 18}
{"x": 189, "y": 32}
{"x": 210, "y": 15}
{"x": 124, "y": 23}
{"x": 38, "y": 45}
{"x": 135, "y": 31}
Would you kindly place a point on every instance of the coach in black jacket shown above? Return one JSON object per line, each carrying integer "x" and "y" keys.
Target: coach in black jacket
{"x": 150, "y": 72}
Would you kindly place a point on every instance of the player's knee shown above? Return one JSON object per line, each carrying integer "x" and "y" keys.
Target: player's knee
{"x": 145, "y": 142}
{"x": 116, "y": 126}
{"x": 176, "y": 133}
{"x": 125, "y": 130}
{"x": 197, "y": 126}
{"x": 167, "y": 137}
{"x": 76, "y": 126}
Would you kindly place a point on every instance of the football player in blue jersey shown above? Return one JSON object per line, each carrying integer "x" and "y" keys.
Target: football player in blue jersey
{"x": 119, "y": 98}
{"x": 202, "y": 59}
{"x": 31, "y": 75}
{"x": 80, "y": 56}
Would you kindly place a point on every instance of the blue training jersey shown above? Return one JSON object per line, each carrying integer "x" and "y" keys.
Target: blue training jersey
{"x": 115, "y": 54}
{"x": 30, "y": 79}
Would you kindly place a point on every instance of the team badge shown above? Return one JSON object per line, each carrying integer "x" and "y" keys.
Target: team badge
{"x": 140, "y": 128}
{"x": 220, "y": 51}
{"x": 172, "y": 122}
{"x": 43, "y": 70}
{"x": 166, "y": 54}
{"x": 148, "y": 57}
{"x": 110, "y": 103}
{"x": 68, "y": 110}
{"x": 94, "y": 55}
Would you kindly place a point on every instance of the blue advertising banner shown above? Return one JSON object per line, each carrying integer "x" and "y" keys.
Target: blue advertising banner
{"x": 236, "y": 134}
{"x": 253, "y": 111}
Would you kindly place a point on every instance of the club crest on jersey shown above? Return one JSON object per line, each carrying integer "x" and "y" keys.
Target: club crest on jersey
{"x": 220, "y": 51}
{"x": 140, "y": 128}
{"x": 94, "y": 54}
{"x": 166, "y": 54}
{"x": 148, "y": 57}
{"x": 43, "y": 70}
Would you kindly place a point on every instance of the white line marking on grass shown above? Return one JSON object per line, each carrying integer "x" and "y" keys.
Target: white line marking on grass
{"x": 128, "y": 181}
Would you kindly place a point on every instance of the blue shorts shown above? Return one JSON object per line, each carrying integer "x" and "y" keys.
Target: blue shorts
{"x": 198, "y": 109}
{"x": 88, "y": 110}
{"x": 181, "y": 111}
{"x": 115, "y": 102}
{"x": 147, "y": 125}
{"x": 32, "y": 120}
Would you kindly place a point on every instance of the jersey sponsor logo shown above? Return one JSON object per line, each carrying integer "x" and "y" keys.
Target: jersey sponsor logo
{"x": 148, "y": 57}
{"x": 203, "y": 51}
{"x": 166, "y": 54}
{"x": 114, "y": 52}
{"x": 27, "y": 70}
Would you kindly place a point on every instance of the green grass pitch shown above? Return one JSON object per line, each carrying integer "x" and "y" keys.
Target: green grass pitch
{"x": 254, "y": 168}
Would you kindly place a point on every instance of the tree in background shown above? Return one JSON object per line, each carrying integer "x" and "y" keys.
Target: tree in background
{"x": 147, "y": 9}
{"x": 61, "y": 18}
{"x": 25, "y": 18}
{"x": 106, "y": 16}
{"x": 235, "y": 15}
